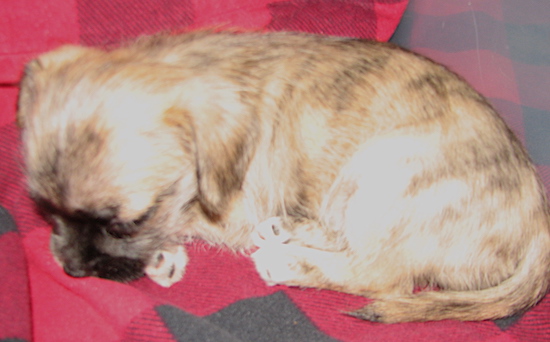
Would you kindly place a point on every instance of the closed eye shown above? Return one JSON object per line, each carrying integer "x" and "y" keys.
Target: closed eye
{"x": 121, "y": 230}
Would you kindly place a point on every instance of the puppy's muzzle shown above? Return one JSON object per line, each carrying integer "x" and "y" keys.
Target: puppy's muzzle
{"x": 104, "y": 266}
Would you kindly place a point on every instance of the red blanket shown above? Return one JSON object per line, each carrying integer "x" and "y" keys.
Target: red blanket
{"x": 221, "y": 297}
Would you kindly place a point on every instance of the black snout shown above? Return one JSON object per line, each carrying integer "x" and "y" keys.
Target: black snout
{"x": 107, "y": 267}
{"x": 114, "y": 268}
{"x": 79, "y": 245}
{"x": 119, "y": 268}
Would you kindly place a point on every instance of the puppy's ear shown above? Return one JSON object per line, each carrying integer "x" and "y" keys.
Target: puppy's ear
{"x": 225, "y": 131}
{"x": 34, "y": 78}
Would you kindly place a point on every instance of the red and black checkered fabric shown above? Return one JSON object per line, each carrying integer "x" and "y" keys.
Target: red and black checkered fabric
{"x": 501, "y": 46}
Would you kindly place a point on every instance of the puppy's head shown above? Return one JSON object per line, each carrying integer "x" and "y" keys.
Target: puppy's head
{"x": 101, "y": 160}
{"x": 118, "y": 148}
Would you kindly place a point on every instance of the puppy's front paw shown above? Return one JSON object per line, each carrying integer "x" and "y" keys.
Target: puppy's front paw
{"x": 167, "y": 267}
{"x": 269, "y": 232}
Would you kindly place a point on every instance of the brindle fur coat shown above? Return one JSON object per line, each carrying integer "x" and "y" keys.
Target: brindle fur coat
{"x": 353, "y": 165}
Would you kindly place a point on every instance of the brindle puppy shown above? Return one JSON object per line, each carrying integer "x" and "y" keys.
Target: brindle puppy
{"x": 353, "y": 165}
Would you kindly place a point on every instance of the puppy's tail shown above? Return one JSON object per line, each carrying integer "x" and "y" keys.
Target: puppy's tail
{"x": 516, "y": 294}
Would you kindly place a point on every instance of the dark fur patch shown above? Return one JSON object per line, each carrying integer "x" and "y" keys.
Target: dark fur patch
{"x": 222, "y": 165}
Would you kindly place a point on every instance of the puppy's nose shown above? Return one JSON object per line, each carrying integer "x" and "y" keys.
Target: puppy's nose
{"x": 75, "y": 271}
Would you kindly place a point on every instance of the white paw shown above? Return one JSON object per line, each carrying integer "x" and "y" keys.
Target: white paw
{"x": 269, "y": 232}
{"x": 276, "y": 265}
{"x": 167, "y": 267}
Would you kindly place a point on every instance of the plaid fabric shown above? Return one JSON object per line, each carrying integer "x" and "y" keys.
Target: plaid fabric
{"x": 500, "y": 46}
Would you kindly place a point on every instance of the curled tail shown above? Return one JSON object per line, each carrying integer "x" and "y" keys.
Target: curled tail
{"x": 516, "y": 294}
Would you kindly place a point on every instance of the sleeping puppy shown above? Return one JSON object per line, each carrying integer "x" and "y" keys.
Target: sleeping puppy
{"x": 353, "y": 165}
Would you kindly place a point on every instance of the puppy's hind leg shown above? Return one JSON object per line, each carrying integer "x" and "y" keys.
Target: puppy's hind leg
{"x": 358, "y": 245}
{"x": 282, "y": 261}
{"x": 300, "y": 252}
{"x": 310, "y": 256}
